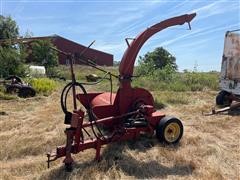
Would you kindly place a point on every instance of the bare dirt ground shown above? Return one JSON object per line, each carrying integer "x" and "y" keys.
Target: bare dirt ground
{"x": 209, "y": 149}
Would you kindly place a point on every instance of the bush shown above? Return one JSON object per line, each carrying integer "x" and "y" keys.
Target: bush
{"x": 198, "y": 81}
{"x": 11, "y": 62}
{"x": 54, "y": 72}
{"x": 43, "y": 86}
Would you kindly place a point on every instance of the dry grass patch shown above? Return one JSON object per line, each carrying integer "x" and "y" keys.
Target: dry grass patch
{"x": 209, "y": 148}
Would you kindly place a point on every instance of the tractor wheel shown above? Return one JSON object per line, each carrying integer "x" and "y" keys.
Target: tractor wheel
{"x": 12, "y": 89}
{"x": 223, "y": 99}
{"x": 169, "y": 130}
{"x": 25, "y": 92}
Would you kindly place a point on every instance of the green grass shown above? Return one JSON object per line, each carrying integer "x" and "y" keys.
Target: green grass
{"x": 4, "y": 96}
{"x": 43, "y": 86}
{"x": 159, "y": 81}
{"x": 156, "y": 83}
{"x": 162, "y": 99}
{"x": 167, "y": 89}
{"x": 82, "y": 71}
{"x": 180, "y": 82}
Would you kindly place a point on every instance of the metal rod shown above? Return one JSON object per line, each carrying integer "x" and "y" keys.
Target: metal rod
{"x": 87, "y": 48}
{"x": 59, "y": 51}
{"x": 71, "y": 58}
{"x": 94, "y": 66}
{"x": 98, "y": 121}
{"x": 73, "y": 84}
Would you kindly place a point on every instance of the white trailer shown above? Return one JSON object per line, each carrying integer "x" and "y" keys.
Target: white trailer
{"x": 37, "y": 71}
{"x": 230, "y": 70}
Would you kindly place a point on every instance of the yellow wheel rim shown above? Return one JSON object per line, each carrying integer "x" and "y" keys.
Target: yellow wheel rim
{"x": 172, "y": 132}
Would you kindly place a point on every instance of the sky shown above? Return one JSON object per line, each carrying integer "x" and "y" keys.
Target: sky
{"x": 110, "y": 22}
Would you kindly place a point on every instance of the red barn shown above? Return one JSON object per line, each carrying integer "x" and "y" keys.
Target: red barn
{"x": 66, "y": 45}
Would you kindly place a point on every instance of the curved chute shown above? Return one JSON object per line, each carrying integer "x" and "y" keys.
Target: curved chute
{"x": 129, "y": 57}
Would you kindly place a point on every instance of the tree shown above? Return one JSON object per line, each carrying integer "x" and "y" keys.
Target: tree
{"x": 8, "y": 28}
{"x": 158, "y": 59}
{"x": 42, "y": 54}
{"x": 11, "y": 56}
{"x": 11, "y": 62}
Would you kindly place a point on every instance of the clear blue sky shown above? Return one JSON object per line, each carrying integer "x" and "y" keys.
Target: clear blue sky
{"x": 109, "y": 22}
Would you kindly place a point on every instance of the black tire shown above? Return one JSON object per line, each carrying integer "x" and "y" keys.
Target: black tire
{"x": 223, "y": 99}
{"x": 12, "y": 89}
{"x": 167, "y": 126}
{"x": 25, "y": 92}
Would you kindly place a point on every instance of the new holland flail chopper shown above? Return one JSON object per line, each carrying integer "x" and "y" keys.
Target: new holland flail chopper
{"x": 124, "y": 115}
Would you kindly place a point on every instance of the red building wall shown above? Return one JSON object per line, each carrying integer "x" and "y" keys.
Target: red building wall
{"x": 99, "y": 57}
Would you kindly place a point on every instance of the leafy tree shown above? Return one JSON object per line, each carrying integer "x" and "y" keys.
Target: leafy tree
{"x": 158, "y": 59}
{"x": 11, "y": 62}
{"x": 8, "y": 28}
{"x": 43, "y": 55}
{"x": 11, "y": 56}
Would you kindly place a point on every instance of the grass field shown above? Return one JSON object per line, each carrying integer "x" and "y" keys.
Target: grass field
{"x": 209, "y": 149}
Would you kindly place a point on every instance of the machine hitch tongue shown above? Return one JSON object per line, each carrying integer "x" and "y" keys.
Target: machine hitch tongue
{"x": 232, "y": 107}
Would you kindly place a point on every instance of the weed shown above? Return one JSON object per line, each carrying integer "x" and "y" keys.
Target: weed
{"x": 43, "y": 86}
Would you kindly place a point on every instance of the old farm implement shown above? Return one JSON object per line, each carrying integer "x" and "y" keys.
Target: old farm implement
{"x": 15, "y": 85}
{"x": 229, "y": 96}
{"x": 230, "y": 70}
{"x": 123, "y": 115}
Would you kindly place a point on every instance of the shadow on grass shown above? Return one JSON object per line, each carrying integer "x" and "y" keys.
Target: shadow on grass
{"x": 235, "y": 112}
{"x": 158, "y": 104}
{"x": 113, "y": 156}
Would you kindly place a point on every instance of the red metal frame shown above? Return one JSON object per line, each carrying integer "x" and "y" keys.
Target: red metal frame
{"x": 112, "y": 111}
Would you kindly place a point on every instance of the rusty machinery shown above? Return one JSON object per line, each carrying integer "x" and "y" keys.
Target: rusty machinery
{"x": 229, "y": 96}
{"x": 15, "y": 85}
{"x": 124, "y": 115}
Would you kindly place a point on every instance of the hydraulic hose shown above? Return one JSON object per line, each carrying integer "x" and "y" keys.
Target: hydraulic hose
{"x": 68, "y": 114}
